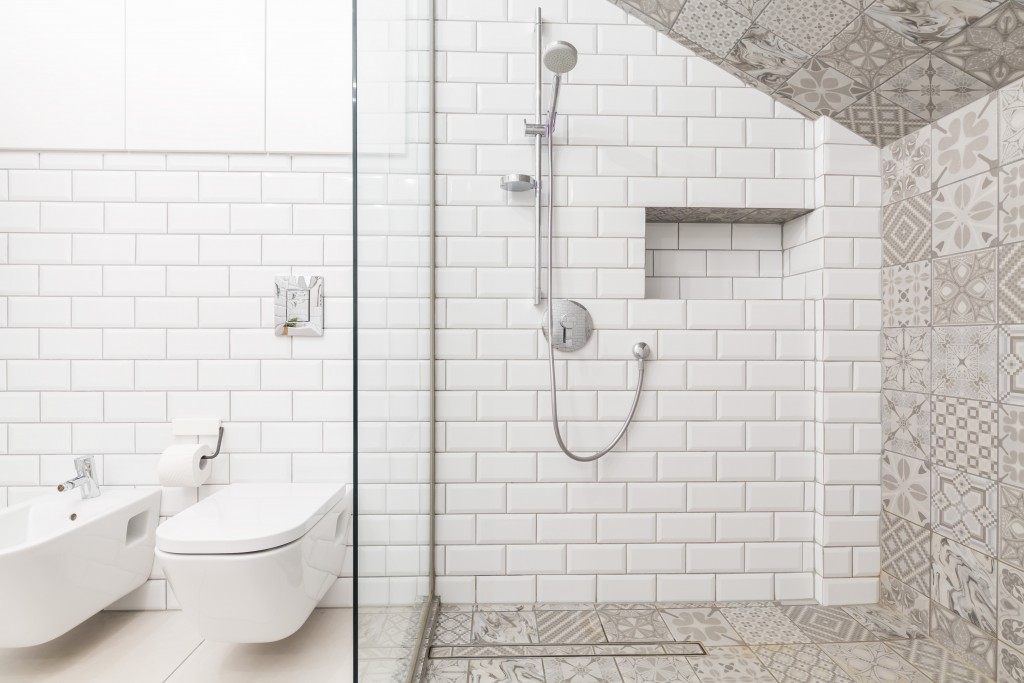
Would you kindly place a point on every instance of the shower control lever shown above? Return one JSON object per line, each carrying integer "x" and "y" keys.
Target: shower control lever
{"x": 567, "y": 324}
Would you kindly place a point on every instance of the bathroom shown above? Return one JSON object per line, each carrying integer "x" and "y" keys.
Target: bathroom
{"x": 276, "y": 391}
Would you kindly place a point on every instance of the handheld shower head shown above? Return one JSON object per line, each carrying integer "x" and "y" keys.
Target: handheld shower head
{"x": 560, "y": 57}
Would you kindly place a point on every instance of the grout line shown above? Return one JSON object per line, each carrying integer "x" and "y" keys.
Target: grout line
{"x": 182, "y": 662}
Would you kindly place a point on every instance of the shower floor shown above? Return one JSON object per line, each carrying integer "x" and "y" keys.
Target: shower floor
{"x": 774, "y": 642}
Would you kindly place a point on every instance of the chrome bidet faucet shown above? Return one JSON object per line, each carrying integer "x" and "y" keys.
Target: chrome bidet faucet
{"x": 85, "y": 479}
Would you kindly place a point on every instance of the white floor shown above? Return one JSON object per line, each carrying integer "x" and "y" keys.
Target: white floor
{"x": 159, "y": 647}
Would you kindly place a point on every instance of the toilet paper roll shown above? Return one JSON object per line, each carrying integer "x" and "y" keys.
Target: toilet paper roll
{"x": 182, "y": 465}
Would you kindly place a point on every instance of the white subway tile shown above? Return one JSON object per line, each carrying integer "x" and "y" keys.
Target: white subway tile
{"x": 229, "y": 187}
{"x": 172, "y": 186}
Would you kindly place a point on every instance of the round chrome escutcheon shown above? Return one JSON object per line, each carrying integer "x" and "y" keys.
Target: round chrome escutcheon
{"x": 573, "y": 325}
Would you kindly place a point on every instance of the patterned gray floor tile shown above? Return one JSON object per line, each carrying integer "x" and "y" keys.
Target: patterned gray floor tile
{"x": 800, "y": 664}
{"x": 453, "y": 628}
{"x": 506, "y": 671}
{"x": 705, "y": 625}
{"x": 873, "y": 663}
{"x": 656, "y": 670}
{"x": 582, "y": 670}
{"x": 565, "y": 626}
{"x": 764, "y": 625}
{"x": 936, "y": 661}
{"x": 731, "y": 665}
{"x": 447, "y": 671}
{"x": 634, "y": 625}
{"x": 504, "y": 627}
{"x": 828, "y": 624}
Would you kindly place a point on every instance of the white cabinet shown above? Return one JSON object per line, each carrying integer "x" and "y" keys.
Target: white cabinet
{"x": 177, "y": 75}
{"x": 309, "y": 76}
{"x": 195, "y": 75}
{"x": 62, "y": 74}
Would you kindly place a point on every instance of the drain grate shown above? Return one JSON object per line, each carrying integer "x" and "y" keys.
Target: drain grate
{"x": 685, "y": 649}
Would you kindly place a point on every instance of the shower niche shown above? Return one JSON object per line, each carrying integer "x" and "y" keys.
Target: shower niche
{"x": 715, "y": 253}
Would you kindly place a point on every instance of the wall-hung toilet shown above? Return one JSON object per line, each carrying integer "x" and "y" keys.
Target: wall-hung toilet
{"x": 249, "y": 563}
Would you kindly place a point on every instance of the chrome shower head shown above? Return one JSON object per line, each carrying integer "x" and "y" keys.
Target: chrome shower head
{"x": 560, "y": 57}
{"x": 517, "y": 182}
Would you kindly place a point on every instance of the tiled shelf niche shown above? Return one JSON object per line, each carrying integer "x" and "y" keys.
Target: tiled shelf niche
{"x": 717, "y": 214}
{"x": 715, "y": 253}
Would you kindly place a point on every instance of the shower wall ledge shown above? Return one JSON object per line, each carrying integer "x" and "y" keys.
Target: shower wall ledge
{"x": 715, "y": 214}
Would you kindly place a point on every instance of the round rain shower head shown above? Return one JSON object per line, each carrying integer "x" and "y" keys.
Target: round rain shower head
{"x": 517, "y": 182}
{"x": 560, "y": 57}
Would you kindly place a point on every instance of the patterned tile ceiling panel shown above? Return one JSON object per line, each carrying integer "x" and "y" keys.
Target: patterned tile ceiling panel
{"x": 882, "y": 68}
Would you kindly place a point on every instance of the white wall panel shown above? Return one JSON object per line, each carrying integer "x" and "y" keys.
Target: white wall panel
{"x": 195, "y": 75}
{"x": 62, "y": 67}
{"x": 309, "y": 75}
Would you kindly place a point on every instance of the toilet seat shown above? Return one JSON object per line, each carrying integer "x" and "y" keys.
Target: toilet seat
{"x": 250, "y": 563}
{"x": 247, "y": 518}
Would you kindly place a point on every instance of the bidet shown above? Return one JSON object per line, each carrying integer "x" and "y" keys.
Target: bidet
{"x": 65, "y": 558}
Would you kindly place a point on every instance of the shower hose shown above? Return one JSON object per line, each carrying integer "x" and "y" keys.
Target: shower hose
{"x": 640, "y": 350}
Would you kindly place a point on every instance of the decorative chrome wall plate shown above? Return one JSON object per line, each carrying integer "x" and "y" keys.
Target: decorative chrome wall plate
{"x": 573, "y": 325}
{"x": 299, "y": 306}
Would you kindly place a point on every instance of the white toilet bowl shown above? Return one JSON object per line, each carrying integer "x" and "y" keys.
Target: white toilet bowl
{"x": 249, "y": 564}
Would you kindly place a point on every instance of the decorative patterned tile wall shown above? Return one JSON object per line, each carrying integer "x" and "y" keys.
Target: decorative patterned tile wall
{"x": 882, "y": 68}
{"x": 952, "y": 488}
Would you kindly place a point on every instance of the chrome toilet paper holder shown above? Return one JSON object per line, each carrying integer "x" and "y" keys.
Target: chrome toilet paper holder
{"x": 199, "y": 427}
{"x": 216, "y": 452}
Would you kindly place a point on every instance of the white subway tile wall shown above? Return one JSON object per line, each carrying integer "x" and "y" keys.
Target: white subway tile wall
{"x": 712, "y": 492}
{"x": 138, "y": 288}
